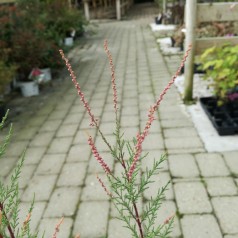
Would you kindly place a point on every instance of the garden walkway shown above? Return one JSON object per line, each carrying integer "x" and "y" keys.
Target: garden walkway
{"x": 61, "y": 171}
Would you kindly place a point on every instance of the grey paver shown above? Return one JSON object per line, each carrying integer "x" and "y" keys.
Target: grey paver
{"x": 41, "y": 186}
{"x": 160, "y": 180}
{"x": 57, "y": 114}
{"x": 212, "y": 165}
{"x": 129, "y": 111}
{"x": 226, "y": 209}
{"x": 60, "y": 145}
{"x": 67, "y": 130}
{"x": 36, "y": 214}
{"x": 50, "y": 125}
{"x": 176, "y": 123}
{"x": 167, "y": 210}
{"x": 79, "y": 153}
{"x": 37, "y": 121}
{"x": 51, "y": 164}
{"x": 97, "y": 214}
{"x": 200, "y": 226}
{"x": 221, "y": 186}
{"x": 129, "y": 121}
{"x": 93, "y": 191}
{"x": 153, "y": 142}
{"x": 63, "y": 202}
{"x": 42, "y": 139}
{"x": 191, "y": 198}
{"x": 129, "y": 132}
{"x": 17, "y": 148}
{"x": 72, "y": 174}
{"x": 148, "y": 161}
{"x": 117, "y": 229}
{"x": 26, "y": 174}
{"x": 108, "y": 128}
{"x": 48, "y": 225}
{"x": 180, "y": 132}
{"x": 6, "y": 165}
{"x": 34, "y": 154}
{"x": 184, "y": 144}
{"x": 94, "y": 165}
{"x": 73, "y": 119}
{"x": 183, "y": 166}
{"x": 81, "y": 136}
{"x": 27, "y": 133}
{"x": 102, "y": 146}
{"x": 231, "y": 160}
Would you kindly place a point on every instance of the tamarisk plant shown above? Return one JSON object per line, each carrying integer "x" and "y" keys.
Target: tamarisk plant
{"x": 124, "y": 191}
{"x": 9, "y": 201}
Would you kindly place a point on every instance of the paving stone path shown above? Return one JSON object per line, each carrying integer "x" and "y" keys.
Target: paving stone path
{"x": 61, "y": 171}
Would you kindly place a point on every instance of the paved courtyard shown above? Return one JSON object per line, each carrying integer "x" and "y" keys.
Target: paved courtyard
{"x": 61, "y": 171}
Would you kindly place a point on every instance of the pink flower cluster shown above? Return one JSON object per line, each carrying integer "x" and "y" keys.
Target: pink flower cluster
{"x": 141, "y": 137}
{"x": 80, "y": 93}
{"x": 97, "y": 156}
{"x": 104, "y": 187}
{"x": 112, "y": 74}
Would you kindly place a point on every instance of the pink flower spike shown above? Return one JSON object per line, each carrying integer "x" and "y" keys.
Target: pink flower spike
{"x": 57, "y": 227}
{"x": 112, "y": 74}
{"x": 141, "y": 137}
{"x": 168, "y": 219}
{"x": 98, "y": 157}
{"x": 80, "y": 93}
{"x": 104, "y": 187}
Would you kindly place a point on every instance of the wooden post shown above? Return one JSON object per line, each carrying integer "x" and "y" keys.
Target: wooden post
{"x": 190, "y": 25}
{"x": 86, "y": 10}
{"x": 118, "y": 9}
{"x": 164, "y": 6}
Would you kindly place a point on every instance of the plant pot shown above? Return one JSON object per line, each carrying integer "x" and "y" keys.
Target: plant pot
{"x": 47, "y": 74}
{"x": 224, "y": 118}
{"x": 29, "y": 89}
{"x": 69, "y": 41}
{"x": 2, "y": 111}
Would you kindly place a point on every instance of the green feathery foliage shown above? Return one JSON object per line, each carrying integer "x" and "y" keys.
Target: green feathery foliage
{"x": 9, "y": 198}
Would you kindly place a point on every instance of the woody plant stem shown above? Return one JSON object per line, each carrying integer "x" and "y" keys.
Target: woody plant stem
{"x": 8, "y": 226}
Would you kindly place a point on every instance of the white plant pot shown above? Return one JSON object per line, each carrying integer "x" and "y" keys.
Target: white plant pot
{"x": 29, "y": 89}
{"x": 47, "y": 74}
{"x": 69, "y": 41}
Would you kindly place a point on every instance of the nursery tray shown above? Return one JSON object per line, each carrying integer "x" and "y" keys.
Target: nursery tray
{"x": 224, "y": 118}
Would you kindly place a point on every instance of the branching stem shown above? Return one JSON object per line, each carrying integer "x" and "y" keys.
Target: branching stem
{"x": 8, "y": 224}
{"x": 138, "y": 220}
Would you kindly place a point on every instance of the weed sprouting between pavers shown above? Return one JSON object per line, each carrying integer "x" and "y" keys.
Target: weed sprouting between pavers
{"x": 125, "y": 192}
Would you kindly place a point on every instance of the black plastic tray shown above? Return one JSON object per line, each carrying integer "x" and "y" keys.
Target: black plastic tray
{"x": 224, "y": 118}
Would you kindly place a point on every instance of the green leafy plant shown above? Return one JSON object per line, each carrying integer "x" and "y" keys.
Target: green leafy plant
{"x": 125, "y": 191}
{"x": 6, "y": 75}
{"x": 9, "y": 199}
{"x": 220, "y": 64}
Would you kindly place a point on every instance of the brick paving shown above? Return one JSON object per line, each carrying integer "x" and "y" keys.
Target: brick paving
{"x": 60, "y": 169}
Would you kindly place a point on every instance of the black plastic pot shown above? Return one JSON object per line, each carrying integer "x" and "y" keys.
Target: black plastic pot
{"x": 2, "y": 111}
{"x": 224, "y": 118}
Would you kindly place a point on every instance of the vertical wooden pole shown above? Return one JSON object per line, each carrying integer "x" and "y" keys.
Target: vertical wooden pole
{"x": 118, "y": 9}
{"x": 86, "y": 10}
{"x": 164, "y": 6}
{"x": 190, "y": 25}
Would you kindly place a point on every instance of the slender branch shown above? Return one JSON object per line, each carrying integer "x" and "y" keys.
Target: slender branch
{"x": 8, "y": 223}
{"x": 138, "y": 220}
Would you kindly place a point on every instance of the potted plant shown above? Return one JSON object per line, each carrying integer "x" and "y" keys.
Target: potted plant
{"x": 220, "y": 64}
{"x": 7, "y": 73}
